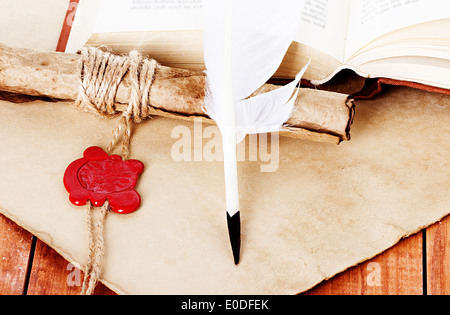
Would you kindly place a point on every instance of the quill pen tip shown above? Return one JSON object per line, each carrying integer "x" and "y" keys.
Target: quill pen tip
{"x": 234, "y": 230}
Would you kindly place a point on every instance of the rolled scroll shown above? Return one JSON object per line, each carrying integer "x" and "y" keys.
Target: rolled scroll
{"x": 176, "y": 93}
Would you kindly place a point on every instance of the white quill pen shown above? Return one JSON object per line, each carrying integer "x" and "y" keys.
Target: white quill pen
{"x": 245, "y": 42}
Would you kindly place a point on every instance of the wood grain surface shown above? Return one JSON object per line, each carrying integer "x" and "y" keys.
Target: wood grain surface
{"x": 438, "y": 258}
{"x": 15, "y": 248}
{"x": 418, "y": 265}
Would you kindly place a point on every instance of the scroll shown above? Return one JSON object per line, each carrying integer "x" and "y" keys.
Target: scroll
{"x": 176, "y": 93}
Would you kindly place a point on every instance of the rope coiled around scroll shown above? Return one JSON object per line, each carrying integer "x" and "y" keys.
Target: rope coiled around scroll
{"x": 100, "y": 76}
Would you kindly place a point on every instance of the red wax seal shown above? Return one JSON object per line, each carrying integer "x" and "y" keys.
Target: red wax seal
{"x": 99, "y": 176}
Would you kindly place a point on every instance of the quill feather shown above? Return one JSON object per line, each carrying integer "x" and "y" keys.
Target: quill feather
{"x": 245, "y": 42}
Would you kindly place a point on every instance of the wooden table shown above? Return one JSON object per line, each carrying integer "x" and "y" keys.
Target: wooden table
{"x": 418, "y": 265}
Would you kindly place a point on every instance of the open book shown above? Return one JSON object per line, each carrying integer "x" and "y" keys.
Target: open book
{"x": 406, "y": 40}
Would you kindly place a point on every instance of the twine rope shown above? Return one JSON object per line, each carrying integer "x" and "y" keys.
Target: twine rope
{"x": 100, "y": 76}
{"x": 93, "y": 267}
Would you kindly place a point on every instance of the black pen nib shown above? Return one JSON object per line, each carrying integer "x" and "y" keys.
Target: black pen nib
{"x": 234, "y": 230}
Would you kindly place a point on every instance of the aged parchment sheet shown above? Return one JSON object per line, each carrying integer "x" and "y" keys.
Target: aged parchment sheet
{"x": 324, "y": 209}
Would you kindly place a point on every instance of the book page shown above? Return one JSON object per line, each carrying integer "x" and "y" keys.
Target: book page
{"x": 370, "y": 19}
{"x": 323, "y": 22}
{"x": 32, "y": 24}
{"x": 83, "y": 24}
{"x": 111, "y": 16}
{"x": 149, "y": 15}
{"x": 324, "y": 26}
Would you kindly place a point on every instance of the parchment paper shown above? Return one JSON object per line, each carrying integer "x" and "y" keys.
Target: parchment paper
{"x": 326, "y": 209}
{"x": 32, "y": 24}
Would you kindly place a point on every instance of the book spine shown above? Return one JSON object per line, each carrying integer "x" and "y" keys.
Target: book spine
{"x": 67, "y": 26}
{"x": 374, "y": 86}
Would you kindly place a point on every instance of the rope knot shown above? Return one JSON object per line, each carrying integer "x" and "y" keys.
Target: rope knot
{"x": 100, "y": 76}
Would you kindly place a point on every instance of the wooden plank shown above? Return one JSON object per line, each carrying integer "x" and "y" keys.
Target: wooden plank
{"x": 15, "y": 248}
{"x": 438, "y": 258}
{"x": 51, "y": 274}
{"x": 397, "y": 271}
